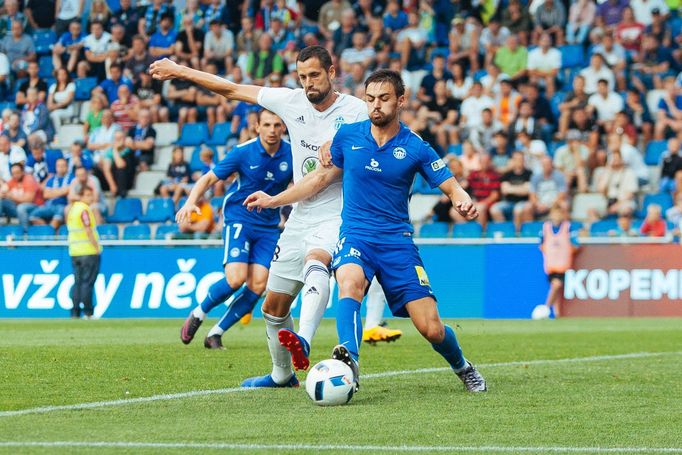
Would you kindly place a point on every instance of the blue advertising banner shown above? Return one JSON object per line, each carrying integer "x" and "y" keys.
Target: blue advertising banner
{"x": 470, "y": 281}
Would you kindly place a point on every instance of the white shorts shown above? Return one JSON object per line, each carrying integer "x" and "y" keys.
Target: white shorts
{"x": 297, "y": 240}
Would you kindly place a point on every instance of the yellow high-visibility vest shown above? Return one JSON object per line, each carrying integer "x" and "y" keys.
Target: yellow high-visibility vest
{"x": 79, "y": 244}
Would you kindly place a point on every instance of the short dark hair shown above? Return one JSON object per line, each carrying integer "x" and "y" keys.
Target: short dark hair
{"x": 390, "y": 76}
{"x": 318, "y": 52}
{"x": 20, "y": 165}
{"x": 116, "y": 65}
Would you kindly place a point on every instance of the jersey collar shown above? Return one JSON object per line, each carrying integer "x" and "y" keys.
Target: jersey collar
{"x": 399, "y": 139}
{"x": 262, "y": 150}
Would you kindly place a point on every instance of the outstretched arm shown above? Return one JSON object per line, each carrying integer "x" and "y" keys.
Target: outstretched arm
{"x": 461, "y": 201}
{"x": 167, "y": 69}
{"x": 307, "y": 187}
{"x": 204, "y": 183}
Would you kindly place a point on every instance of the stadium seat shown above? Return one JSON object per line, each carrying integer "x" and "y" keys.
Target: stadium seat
{"x": 504, "y": 229}
{"x": 480, "y": 74}
{"x": 159, "y": 210}
{"x": 137, "y": 232}
{"x": 554, "y": 146}
{"x": 531, "y": 229}
{"x": 164, "y": 231}
{"x": 84, "y": 86}
{"x": 45, "y": 232}
{"x": 216, "y": 203}
{"x": 193, "y": 134}
{"x": 220, "y": 135}
{"x": 572, "y": 56}
{"x": 107, "y": 231}
{"x": 62, "y": 232}
{"x": 126, "y": 211}
{"x": 576, "y": 226}
{"x": 468, "y": 230}
{"x": 166, "y": 133}
{"x": 665, "y": 200}
{"x": 455, "y": 149}
{"x": 582, "y": 203}
{"x": 146, "y": 182}
{"x": 654, "y": 151}
{"x": 603, "y": 228}
{"x": 46, "y": 67}
{"x": 68, "y": 134}
{"x": 438, "y": 229}
{"x": 12, "y": 230}
{"x": 7, "y": 105}
{"x": 43, "y": 40}
{"x": 51, "y": 157}
{"x": 556, "y": 100}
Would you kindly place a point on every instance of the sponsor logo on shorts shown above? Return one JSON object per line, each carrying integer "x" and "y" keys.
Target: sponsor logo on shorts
{"x": 438, "y": 165}
{"x": 234, "y": 252}
{"x": 399, "y": 153}
{"x": 421, "y": 274}
{"x": 353, "y": 252}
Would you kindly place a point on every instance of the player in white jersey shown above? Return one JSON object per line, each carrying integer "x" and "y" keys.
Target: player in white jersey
{"x": 312, "y": 116}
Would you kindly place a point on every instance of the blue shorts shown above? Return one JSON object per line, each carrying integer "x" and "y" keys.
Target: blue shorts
{"x": 398, "y": 268}
{"x": 249, "y": 244}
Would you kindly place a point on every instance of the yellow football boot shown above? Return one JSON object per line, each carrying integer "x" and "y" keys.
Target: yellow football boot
{"x": 246, "y": 319}
{"x": 378, "y": 334}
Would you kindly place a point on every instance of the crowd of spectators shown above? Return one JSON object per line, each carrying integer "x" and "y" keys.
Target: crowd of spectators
{"x": 531, "y": 103}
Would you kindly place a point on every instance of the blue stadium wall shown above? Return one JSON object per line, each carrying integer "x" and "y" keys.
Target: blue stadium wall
{"x": 470, "y": 281}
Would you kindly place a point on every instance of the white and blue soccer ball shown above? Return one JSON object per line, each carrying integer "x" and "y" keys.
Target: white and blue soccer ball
{"x": 540, "y": 312}
{"x": 330, "y": 383}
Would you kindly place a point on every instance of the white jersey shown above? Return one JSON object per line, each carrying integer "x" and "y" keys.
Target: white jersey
{"x": 308, "y": 130}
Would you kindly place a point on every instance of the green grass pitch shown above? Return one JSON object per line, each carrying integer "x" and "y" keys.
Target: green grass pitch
{"x": 625, "y": 393}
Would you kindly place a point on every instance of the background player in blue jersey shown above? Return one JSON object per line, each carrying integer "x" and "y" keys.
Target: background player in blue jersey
{"x": 378, "y": 160}
{"x": 250, "y": 238}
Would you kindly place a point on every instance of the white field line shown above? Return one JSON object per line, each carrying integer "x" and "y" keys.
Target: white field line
{"x": 197, "y": 393}
{"x": 340, "y": 447}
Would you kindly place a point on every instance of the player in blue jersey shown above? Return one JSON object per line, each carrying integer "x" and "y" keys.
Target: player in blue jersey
{"x": 250, "y": 238}
{"x": 377, "y": 160}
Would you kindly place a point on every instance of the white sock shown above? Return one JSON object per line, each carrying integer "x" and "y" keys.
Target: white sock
{"x": 315, "y": 294}
{"x": 375, "y": 305}
{"x": 199, "y": 313}
{"x": 282, "y": 369}
{"x": 215, "y": 330}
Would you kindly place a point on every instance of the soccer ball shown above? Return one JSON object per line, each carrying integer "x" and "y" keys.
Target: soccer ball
{"x": 330, "y": 383}
{"x": 540, "y": 312}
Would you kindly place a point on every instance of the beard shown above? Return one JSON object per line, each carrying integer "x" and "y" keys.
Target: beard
{"x": 317, "y": 97}
{"x": 383, "y": 119}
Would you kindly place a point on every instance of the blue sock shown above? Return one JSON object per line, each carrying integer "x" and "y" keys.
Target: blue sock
{"x": 450, "y": 350}
{"x": 244, "y": 301}
{"x": 217, "y": 294}
{"x": 349, "y": 325}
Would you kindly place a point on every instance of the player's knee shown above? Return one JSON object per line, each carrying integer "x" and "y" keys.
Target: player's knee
{"x": 235, "y": 278}
{"x": 256, "y": 285}
{"x": 433, "y": 331}
{"x": 351, "y": 288}
{"x": 275, "y": 308}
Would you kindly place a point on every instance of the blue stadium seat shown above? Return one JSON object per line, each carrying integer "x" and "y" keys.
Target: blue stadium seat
{"x": 665, "y": 200}
{"x": 84, "y": 86}
{"x": 470, "y": 230}
{"x": 572, "y": 56}
{"x": 480, "y": 74}
{"x": 165, "y": 230}
{"x": 217, "y": 203}
{"x": 654, "y": 151}
{"x": 107, "y": 231}
{"x": 438, "y": 229}
{"x": 51, "y": 157}
{"x": 137, "y": 232}
{"x": 181, "y": 202}
{"x": 46, "y": 67}
{"x": 195, "y": 163}
{"x": 62, "y": 232}
{"x": 7, "y": 105}
{"x": 159, "y": 210}
{"x": 576, "y": 226}
{"x": 221, "y": 133}
{"x": 554, "y": 146}
{"x": 455, "y": 149}
{"x": 193, "y": 134}
{"x": 531, "y": 229}
{"x": 556, "y": 100}
{"x": 43, "y": 40}
{"x": 603, "y": 227}
{"x": 500, "y": 229}
{"x": 45, "y": 232}
{"x": 126, "y": 211}
{"x": 11, "y": 230}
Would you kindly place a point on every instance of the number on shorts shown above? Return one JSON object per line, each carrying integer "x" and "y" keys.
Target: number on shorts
{"x": 237, "y": 230}
{"x": 339, "y": 245}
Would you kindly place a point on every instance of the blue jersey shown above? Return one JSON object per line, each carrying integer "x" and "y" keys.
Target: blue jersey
{"x": 377, "y": 180}
{"x": 258, "y": 171}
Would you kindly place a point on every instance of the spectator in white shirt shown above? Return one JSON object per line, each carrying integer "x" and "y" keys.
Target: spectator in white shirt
{"x": 492, "y": 38}
{"x": 60, "y": 98}
{"x": 219, "y": 47}
{"x": 643, "y": 10}
{"x": 96, "y": 46}
{"x": 631, "y": 157}
{"x": 597, "y": 70}
{"x": 471, "y": 111}
{"x": 606, "y": 103}
{"x": 359, "y": 53}
{"x": 544, "y": 63}
{"x": 614, "y": 55}
{"x": 102, "y": 138}
{"x": 9, "y": 155}
{"x": 410, "y": 43}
